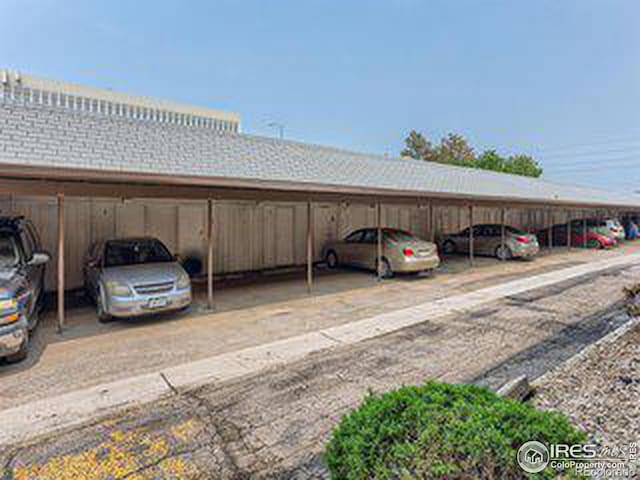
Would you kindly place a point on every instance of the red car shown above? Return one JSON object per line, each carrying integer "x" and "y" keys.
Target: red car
{"x": 594, "y": 239}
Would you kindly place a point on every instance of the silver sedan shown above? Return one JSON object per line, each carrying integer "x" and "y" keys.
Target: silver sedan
{"x": 135, "y": 276}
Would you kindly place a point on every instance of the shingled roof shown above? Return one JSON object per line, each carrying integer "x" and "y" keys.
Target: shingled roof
{"x": 43, "y": 136}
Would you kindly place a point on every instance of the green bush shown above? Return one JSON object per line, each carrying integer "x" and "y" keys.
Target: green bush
{"x": 440, "y": 431}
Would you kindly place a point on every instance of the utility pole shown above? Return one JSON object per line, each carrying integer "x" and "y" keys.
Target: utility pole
{"x": 279, "y": 126}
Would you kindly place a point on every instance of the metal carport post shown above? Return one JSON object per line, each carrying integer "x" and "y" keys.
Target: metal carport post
{"x": 569, "y": 230}
{"x": 584, "y": 230}
{"x": 432, "y": 223}
{"x": 379, "y": 238}
{"x": 210, "y": 253}
{"x": 60, "y": 262}
{"x": 309, "y": 246}
{"x": 502, "y": 229}
{"x": 471, "y": 235}
{"x": 550, "y": 242}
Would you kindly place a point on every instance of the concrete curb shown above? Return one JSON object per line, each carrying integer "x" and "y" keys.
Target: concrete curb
{"x": 67, "y": 410}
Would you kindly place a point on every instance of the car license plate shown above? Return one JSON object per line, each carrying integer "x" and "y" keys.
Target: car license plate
{"x": 158, "y": 302}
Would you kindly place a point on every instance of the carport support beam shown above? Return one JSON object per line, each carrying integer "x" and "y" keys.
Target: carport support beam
{"x": 550, "y": 230}
{"x": 569, "y": 230}
{"x": 210, "y": 254}
{"x": 432, "y": 223}
{"x": 503, "y": 220}
{"x": 585, "y": 243}
{"x": 379, "y": 238}
{"x": 60, "y": 262}
{"x": 309, "y": 247}
{"x": 471, "y": 235}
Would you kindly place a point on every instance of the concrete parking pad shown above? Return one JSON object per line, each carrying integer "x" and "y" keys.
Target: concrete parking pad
{"x": 247, "y": 314}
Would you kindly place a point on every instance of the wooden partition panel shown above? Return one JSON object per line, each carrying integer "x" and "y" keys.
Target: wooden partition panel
{"x": 247, "y": 235}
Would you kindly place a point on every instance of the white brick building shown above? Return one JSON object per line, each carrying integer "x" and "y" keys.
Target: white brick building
{"x": 31, "y": 89}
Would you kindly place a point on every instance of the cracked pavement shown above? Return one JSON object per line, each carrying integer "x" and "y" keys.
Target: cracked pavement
{"x": 274, "y": 424}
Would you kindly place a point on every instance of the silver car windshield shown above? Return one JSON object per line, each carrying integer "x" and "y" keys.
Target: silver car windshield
{"x": 9, "y": 255}
{"x": 120, "y": 253}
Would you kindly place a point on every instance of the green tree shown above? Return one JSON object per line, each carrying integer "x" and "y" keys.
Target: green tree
{"x": 490, "y": 160}
{"x": 455, "y": 150}
{"x": 523, "y": 165}
{"x": 418, "y": 147}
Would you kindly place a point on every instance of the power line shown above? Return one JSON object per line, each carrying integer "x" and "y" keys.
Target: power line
{"x": 600, "y": 161}
{"x": 608, "y": 141}
{"x": 593, "y": 152}
{"x": 593, "y": 168}
{"x": 616, "y": 168}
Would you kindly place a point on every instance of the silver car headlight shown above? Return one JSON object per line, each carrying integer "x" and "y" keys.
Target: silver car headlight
{"x": 9, "y": 311}
{"x": 118, "y": 289}
{"x": 183, "y": 281}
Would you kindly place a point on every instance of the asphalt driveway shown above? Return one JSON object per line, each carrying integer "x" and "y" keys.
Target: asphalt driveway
{"x": 274, "y": 424}
{"x": 247, "y": 314}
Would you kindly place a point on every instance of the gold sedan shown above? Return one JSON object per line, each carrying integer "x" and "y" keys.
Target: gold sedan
{"x": 402, "y": 252}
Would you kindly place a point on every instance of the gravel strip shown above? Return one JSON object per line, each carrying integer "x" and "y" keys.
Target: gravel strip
{"x": 599, "y": 389}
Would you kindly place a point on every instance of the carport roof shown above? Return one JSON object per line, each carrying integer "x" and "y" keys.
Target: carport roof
{"x": 39, "y": 141}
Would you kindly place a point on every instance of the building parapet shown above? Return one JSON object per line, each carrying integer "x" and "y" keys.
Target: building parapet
{"x": 17, "y": 87}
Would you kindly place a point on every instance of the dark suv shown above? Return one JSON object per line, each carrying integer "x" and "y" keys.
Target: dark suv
{"x": 22, "y": 264}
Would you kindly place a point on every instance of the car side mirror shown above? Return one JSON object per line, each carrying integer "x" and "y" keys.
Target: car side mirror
{"x": 39, "y": 258}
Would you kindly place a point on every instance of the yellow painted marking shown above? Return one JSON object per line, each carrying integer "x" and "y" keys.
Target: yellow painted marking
{"x": 121, "y": 452}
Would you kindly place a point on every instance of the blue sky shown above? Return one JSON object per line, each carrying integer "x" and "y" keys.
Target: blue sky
{"x": 559, "y": 79}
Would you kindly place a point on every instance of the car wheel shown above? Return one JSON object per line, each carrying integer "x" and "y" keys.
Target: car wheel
{"x": 103, "y": 316}
{"x": 503, "y": 252}
{"x": 332, "y": 259}
{"x": 385, "y": 269}
{"x": 21, "y": 354}
{"x": 449, "y": 247}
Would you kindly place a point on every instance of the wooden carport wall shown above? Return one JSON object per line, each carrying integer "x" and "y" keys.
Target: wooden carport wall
{"x": 249, "y": 236}
{"x": 62, "y": 189}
